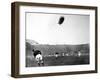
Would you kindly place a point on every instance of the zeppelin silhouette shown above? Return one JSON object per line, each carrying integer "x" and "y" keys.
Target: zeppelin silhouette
{"x": 61, "y": 20}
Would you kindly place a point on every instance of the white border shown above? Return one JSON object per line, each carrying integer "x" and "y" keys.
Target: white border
{"x": 51, "y": 69}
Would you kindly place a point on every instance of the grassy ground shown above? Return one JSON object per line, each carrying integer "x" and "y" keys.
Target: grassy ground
{"x": 71, "y": 59}
{"x": 61, "y": 60}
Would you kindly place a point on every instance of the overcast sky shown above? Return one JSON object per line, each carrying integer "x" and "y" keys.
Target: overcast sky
{"x": 44, "y": 28}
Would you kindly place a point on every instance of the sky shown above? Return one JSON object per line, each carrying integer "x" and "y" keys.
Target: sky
{"x": 44, "y": 28}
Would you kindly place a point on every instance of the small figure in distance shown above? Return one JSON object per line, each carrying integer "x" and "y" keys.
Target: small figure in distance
{"x": 56, "y": 54}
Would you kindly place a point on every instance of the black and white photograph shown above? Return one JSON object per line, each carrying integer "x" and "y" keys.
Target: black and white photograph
{"x": 57, "y": 39}
{"x": 53, "y": 39}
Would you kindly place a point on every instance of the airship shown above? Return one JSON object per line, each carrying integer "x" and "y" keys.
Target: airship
{"x": 61, "y": 20}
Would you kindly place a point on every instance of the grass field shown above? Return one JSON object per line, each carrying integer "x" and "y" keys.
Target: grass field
{"x": 61, "y": 60}
{"x": 70, "y": 56}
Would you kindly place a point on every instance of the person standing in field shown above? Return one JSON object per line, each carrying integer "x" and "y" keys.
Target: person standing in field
{"x": 38, "y": 57}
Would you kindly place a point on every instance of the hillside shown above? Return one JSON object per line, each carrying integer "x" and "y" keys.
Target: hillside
{"x": 51, "y": 49}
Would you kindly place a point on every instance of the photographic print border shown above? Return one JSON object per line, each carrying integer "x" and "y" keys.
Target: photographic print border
{"x": 15, "y": 32}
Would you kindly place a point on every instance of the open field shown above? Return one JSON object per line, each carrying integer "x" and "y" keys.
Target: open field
{"x": 68, "y": 55}
{"x": 61, "y": 60}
